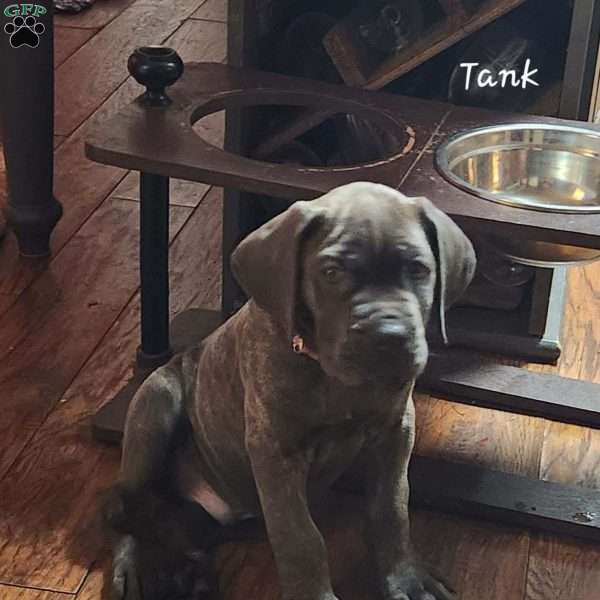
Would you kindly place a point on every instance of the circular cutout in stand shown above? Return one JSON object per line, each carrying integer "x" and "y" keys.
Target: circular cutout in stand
{"x": 381, "y": 138}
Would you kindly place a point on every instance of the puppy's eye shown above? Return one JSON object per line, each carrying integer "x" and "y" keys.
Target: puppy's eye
{"x": 418, "y": 269}
{"x": 332, "y": 274}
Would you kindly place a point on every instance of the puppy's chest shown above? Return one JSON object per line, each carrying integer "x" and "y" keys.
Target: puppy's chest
{"x": 332, "y": 448}
{"x": 344, "y": 426}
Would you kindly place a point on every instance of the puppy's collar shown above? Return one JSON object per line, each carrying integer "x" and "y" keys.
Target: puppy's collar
{"x": 300, "y": 347}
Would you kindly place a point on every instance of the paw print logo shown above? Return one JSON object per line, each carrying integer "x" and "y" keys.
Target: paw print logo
{"x": 24, "y": 31}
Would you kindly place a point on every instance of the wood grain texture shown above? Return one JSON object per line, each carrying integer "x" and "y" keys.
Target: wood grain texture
{"x": 82, "y": 185}
{"x": 196, "y": 256}
{"x": 182, "y": 193}
{"x": 475, "y": 557}
{"x": 67, "y": 40}
{"x": 212, "y": 10}
{"x": 46, "y": 337}
{"x": 93, "y": 586}
{"x": 211, "y": 128}
{"x": 50, "y": 537}
{"x": 560, "y": 568}
{"x": 247, "y": 570}
{"x": 468, "y": 377}
{"x": 205, "y": 85}
{"x": 8, "y": 592}
{"x": 494, "y": 439}
{"x": 483, "y": 560}
{"x": 99, "y": 15}
{"x": 86, "y": 79}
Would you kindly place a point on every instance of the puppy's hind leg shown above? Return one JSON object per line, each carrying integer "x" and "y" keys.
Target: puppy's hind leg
{"x": 152, "y": 558}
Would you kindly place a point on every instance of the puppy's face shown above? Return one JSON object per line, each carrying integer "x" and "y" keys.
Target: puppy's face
{"x": 368, "y": 282}
{"x": 356, "y": 273}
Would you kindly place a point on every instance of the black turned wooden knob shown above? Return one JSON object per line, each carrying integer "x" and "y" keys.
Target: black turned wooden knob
{"x": 155, "y": 67}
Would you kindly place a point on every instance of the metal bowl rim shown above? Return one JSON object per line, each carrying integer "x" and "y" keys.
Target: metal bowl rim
{"x": 533, "y": 262}
{"x": 442, "y": 165}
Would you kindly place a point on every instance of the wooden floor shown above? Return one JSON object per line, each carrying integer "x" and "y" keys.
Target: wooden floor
{"x": 69, "y": 328}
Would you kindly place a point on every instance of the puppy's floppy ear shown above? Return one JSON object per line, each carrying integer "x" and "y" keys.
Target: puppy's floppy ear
{"x": 455, "y": 258}
{"x": 266, "y": 262}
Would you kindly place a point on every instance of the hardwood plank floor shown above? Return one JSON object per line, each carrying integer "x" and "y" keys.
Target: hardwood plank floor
{"x": 212, "y": 10}
{"x": 53, "y": 540}
{"x": 67, "y": 40}
{"x": 82, "y": 185}
{"x": 560, "y": 568}
{"x": 69, "y": 329}
{"x": 46, "y": 337}
{"x": 93, "y": 586}
{"x": 482, "y": 560}
{"x": 103, "y": 13}
{"x": 8, "y": 592}
{"x": 83, "y": 82}
{"x": 182, "y": 193}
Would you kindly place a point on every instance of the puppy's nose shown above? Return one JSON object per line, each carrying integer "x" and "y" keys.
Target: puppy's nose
{"x": 390, "y": 327}
{"x": 383, "y": 326}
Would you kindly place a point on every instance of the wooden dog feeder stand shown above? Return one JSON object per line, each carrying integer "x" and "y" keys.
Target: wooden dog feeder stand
{"x": 154, "y": 136}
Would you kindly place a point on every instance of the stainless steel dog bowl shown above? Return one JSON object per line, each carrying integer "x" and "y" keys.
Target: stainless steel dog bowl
{"x": 542, "y": 254}
{"x": 551, "y": 168}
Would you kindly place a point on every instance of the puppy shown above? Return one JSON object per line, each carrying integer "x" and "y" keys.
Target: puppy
{"x": 315, "y": 370}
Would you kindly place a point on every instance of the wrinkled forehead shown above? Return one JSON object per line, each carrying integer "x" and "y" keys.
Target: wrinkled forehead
{"x": 373, "y": 225}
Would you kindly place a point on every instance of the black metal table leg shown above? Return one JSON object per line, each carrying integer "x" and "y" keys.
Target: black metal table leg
{"x": 155, "y": 348}
{"x": 156, "y": 68}
{"x": 188, "y": 328}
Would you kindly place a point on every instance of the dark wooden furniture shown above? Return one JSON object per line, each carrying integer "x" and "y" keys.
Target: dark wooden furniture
{"x": 581, "y": 60}
{"x": 531, "y": 332}
{"x": 27, "y": 126}
{"x": 159, "y": 142}
{"x": 357, "y": 67}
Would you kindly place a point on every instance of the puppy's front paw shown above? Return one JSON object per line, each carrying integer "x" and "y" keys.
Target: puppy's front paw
{"x": 414, "y": 582}
{"x": 125, "y": 582}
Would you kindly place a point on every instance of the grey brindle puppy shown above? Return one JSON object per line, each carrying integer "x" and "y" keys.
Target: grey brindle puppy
{"x": 246, "y": 426}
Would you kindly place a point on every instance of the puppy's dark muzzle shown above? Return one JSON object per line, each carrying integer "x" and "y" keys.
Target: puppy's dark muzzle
{"x": 373, "y": 339}
{"x": 384, "y": 345}
{"x": 382, "y": 329}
